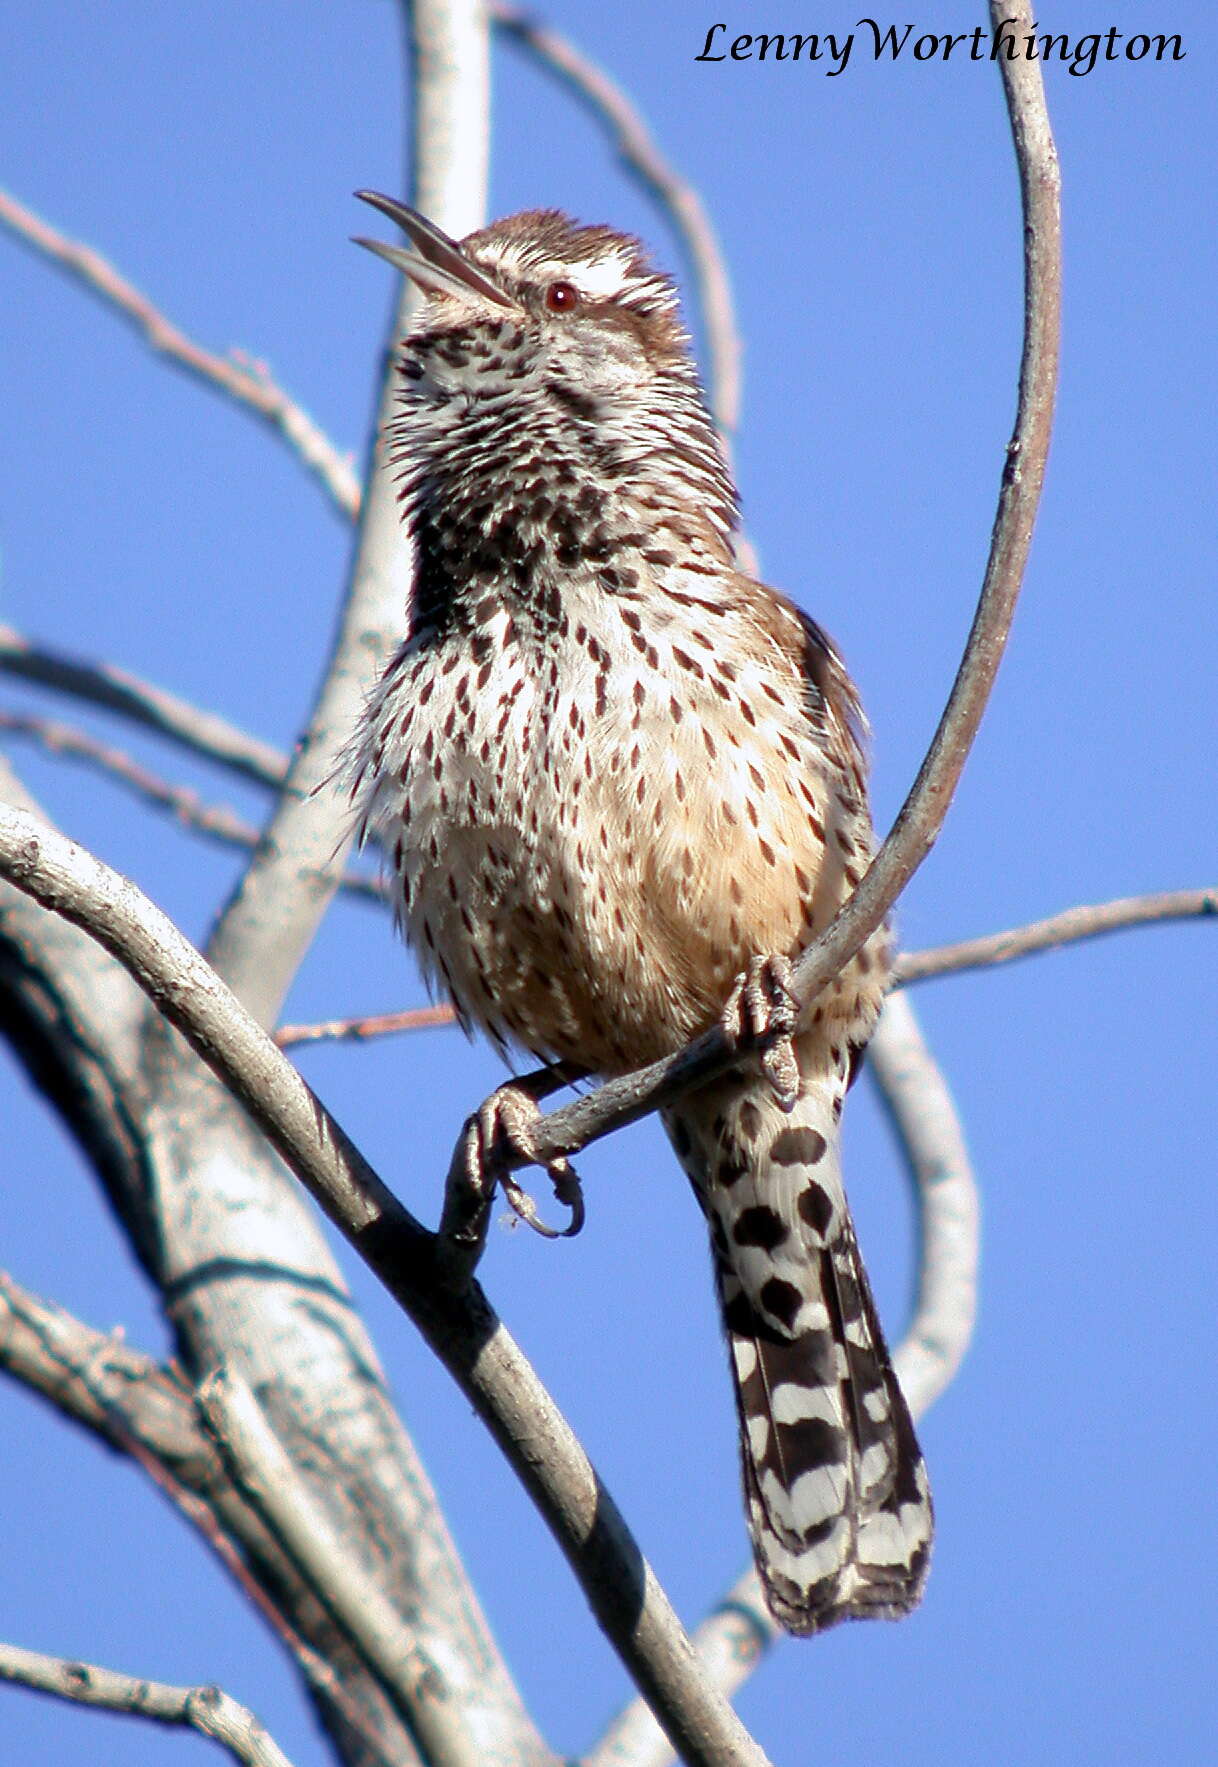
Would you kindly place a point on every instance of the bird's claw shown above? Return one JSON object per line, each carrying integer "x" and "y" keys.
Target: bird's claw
{"x": 567, "y": 1191}
{"x": 761, "y": 1013}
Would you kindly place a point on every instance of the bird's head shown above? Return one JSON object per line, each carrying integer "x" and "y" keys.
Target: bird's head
{"x": 538, "y": 295}
{"x": 541, "y": 338}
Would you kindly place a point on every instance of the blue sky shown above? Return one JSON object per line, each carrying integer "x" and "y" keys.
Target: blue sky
{"x": 870, "y": 221}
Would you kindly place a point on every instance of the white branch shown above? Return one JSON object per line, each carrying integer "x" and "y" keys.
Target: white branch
{"x": 205, "y": 1709}
{"x": 451, "y": 91}
{"x": 928, "y": 1128}
{"x": 421, "y": 1687}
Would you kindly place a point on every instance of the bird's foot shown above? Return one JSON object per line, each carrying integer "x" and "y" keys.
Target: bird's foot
{"x": 495, "y": 1141}
{"x": 761, "y": 1013}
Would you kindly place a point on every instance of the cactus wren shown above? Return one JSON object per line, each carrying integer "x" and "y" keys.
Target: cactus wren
{"x": 614, "y": 773}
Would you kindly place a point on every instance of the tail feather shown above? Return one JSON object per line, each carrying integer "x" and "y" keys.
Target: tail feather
{"x": 836, "y": 1491}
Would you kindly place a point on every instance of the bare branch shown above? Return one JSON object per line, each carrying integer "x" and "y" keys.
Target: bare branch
{"x": 418, "y": 1684}
{"x": 214, "y": 820}
{"x": 361, "y": 1030}
{"x": 148, "y": 1413}
{"x": 678, "y": 199}
{"x": 1068, "y": 927}
{"x": 457, "y": 1322}
{"x": 246, "y": 381}
{"x": 451, "y": 93}
{"x": 930, "y": 1136}
{"x": 101, "y": 684}
{"x": 205, "y": 1709}
{"x": 217, "y": 821}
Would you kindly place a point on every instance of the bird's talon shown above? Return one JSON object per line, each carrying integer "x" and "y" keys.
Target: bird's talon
{"x": 567, "y": 1192}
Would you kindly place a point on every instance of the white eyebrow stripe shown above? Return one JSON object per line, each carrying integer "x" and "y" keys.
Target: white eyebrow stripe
{"x": 599, "y": 281}
{"x": 596, "y": 282}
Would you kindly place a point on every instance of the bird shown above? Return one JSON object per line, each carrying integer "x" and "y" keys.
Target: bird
{"x": 620, "y": 785}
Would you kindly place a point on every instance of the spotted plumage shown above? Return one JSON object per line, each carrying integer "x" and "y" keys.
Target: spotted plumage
{"x": 611, "y": 771}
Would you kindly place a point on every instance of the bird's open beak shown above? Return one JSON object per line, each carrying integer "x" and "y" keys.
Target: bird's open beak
{"x": 437, "y": 262}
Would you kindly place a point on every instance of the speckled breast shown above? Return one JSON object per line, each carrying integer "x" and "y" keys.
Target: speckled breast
{"x": 596, "y": 819}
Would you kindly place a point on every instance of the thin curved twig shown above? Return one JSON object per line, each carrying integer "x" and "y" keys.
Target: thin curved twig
{"x": 456, "y": 1319}
{"x": 216, "y": 821}
{"x": 363, "y": 1030}
{"x": 102, "y": 684}
{"x": 1067, "y": 928}
{"x": 678, "y": 198}
{"x": 208, "y": 1710}
{"x": 243, "y": 379}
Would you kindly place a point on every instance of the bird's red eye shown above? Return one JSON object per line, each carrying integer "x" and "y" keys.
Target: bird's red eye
{"x": 562, "y": 297}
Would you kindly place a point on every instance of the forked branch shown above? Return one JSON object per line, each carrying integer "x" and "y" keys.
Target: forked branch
{"x": 148, "y": 1413}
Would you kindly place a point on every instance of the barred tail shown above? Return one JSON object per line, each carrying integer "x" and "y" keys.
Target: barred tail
{"x": 838, "y": 1503}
